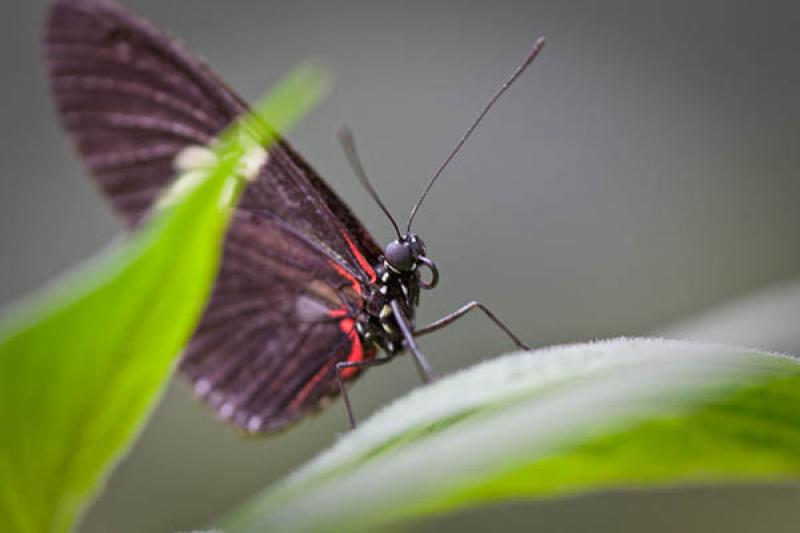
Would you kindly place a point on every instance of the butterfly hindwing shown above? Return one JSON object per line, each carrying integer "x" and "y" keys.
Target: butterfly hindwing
{"x": 295, "y": 258}
{"x": 278, "y": 322}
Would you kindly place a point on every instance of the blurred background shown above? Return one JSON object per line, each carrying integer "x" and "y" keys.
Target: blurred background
{"x": 643, "y": 173}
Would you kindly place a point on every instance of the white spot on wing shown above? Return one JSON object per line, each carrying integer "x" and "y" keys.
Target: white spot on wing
{"x": 254, "y": 424}
{"x": 226, "y": 410}
{"x": 202, "y": 387}
{"x": 252, "y": 162}
{"x": 194, "y": 158}
{"x": 193, "y": 164}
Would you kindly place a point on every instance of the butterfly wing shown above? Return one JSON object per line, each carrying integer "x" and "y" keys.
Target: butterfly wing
{"x": 132, "y": 99}
{"x": 280, "y": 319}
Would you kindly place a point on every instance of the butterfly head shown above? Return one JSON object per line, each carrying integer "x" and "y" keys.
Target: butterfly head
{"x": 405, "y": 255}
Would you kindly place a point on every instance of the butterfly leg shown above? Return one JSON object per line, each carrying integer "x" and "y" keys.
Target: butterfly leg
{"x": 426, "y": 371}
{"x": 343, "y": 365}
{"x": 458, "y": 313}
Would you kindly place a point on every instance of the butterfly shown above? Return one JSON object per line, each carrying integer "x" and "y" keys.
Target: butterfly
{"x": 305, "y": 299}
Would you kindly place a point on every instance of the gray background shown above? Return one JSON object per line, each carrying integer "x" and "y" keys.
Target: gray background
{"x": 644, "y": 170}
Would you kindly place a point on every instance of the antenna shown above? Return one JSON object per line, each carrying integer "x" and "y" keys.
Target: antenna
{"x": 537, "y": 47}
{"x": 349, "y": 145}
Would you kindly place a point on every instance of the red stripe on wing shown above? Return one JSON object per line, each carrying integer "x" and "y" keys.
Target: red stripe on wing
{"x": 311, "y": 384}
{"x": 349, "y": 277}
{"x": 357, "y": 350}
{"x": 362, "y": 261}
{"x": 356, "y": 354}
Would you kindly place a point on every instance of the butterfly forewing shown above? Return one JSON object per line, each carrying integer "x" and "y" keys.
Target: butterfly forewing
{"x": 130, "y": 99}
{"x": 295, "y": 259}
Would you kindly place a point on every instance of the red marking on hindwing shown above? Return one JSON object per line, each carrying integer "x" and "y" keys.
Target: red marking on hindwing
{"x": 357, "y": 352}
{"x": 338, "y": 313}
{"x": 349, "y": 277}
{"x": 362, "y": 261}
{"x": 348, "y": 326}
{"x": 309, "y": 386}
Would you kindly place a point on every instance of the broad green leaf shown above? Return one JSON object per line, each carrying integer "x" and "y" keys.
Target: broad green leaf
{"x": 83, "y": 363}
{"x": 548, "y": 423}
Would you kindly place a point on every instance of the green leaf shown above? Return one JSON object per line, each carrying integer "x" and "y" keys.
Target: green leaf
{"x": 83, "y": 363}
{"x": 548, "y": 423}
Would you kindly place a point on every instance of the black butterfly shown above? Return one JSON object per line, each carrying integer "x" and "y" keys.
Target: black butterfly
{"x": 305, "y": 298}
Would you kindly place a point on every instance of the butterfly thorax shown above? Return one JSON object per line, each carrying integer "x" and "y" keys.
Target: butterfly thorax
{"x": 398, "y": 279}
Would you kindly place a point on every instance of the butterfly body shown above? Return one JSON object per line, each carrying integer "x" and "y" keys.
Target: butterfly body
{"x": 305, "y": 299}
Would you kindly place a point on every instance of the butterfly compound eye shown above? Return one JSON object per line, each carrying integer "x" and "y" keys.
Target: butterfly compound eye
{"x": 400, "y": 256}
